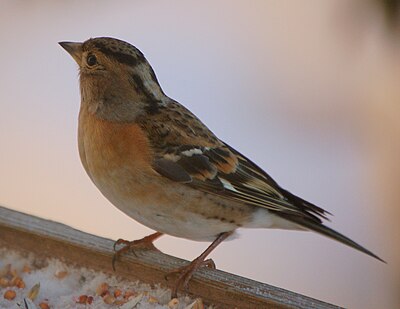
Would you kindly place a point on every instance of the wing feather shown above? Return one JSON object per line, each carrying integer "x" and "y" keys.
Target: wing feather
{"x": 219, "y": 171}
{"x": 186, "y": 151}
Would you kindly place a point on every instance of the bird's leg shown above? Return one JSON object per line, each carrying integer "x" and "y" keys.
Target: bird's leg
{"x": 207, "y": 263}
{"x": 143, "y": 243}
{"x": 186, "y": 272}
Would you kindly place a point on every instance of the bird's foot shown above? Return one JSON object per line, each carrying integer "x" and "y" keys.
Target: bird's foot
{"x": 145, "y": 243}
{"x": 186, "y": 272}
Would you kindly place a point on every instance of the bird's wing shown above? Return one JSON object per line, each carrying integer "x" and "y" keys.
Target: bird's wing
{"x": 225, "y": 172}
{"x": 186, "y": 151}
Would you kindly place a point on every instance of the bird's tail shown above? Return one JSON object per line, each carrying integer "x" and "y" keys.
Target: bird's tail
{"x": 311, "y": 219}
{"x": 324, "y": 230}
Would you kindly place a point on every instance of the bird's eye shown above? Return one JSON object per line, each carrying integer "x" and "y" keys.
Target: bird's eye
{"x": 91, "y": 60}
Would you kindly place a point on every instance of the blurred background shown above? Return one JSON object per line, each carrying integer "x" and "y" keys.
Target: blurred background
{"x": 310, "y": 90}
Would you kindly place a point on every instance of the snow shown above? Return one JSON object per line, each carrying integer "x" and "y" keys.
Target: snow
{"x": 63, "y": 286}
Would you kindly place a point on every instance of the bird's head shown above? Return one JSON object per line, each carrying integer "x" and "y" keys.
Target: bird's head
{"x": 117, "y": 83}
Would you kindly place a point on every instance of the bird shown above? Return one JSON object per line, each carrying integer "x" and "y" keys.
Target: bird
{"x": 159, "y": 164}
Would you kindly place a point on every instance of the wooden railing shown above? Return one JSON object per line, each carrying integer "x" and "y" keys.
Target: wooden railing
{"x": 22, "y": 232}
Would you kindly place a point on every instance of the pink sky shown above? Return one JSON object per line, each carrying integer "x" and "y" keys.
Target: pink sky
{"x": 308, "y": 90}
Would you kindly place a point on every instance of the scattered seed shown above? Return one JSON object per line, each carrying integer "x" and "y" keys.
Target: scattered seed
{"x": 173, "y": 303}
{"x": 153, "y": 300}
{"x": 26, "y": 269}
{"x": 9, "y": 294}
{"x": 102, "y": 289}
{"x": 61, "y": 274}
{"x": 120, "y": 302}
{"x": 33, "y": 293}
{"x": 4, "y": 282}
{"x": 44, "y": 305}
{"x": 18, "y": 282}
{"x": 117, "y": 293}
{"x": 82, "y": 299}
{"x": 129, "y": 293}
{"x": 109, "y": 299}
{"x": 197, "y": 304}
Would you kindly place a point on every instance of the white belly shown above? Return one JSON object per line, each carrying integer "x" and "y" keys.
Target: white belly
{"x": 171, "y": 209}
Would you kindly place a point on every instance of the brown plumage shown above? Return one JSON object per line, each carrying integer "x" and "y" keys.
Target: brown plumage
{"x": 158, "y": 163}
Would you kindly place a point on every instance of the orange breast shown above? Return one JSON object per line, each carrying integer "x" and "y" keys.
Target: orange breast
{"x": 106, "y": 146}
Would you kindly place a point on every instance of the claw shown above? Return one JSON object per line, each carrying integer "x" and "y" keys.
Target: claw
{"x": 120, "y": 242}
{"x": 114, "y": 259}
{"x": 209, "y": 263}
{"x": 186, "y": 272}
{"x": 144, "y": 243}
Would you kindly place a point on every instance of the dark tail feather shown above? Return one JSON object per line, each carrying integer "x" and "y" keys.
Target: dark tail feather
{"x": 326, "y": 231}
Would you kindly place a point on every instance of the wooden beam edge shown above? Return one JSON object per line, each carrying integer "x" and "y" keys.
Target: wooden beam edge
{"x": 23, "y": 232}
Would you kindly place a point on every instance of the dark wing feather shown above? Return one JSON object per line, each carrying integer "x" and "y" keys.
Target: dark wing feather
{"x": 249, "y": 184}
{"x": 171, "y": 170}
{"x": 220, "y": 171}
{"x": 252, "y": 170}
{"x": 187, "y": 152}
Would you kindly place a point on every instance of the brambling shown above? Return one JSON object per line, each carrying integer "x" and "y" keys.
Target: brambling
{"x": 158, "y": 163}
